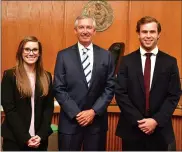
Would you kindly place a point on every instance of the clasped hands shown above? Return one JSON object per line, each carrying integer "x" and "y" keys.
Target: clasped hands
{"x": 34, "y": 141}
{"x": 85, "y": 117}
{"x": 147, "y": 125}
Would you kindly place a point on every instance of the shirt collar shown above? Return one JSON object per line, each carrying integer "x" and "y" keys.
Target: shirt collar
{"x": 81, "y": 47}
{"x": 154, "y": 51}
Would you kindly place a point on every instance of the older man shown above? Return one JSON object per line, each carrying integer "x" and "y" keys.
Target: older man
{"x": 84, "y": 87}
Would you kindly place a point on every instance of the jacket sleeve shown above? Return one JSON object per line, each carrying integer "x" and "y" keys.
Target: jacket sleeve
{"x": 105, "y": 98}
{"x": 48, "y": 109}
{"x": 127, "y": 108}
{"x": 68, "y": 105}
{"x": 172, "y": 97}
{"x": 14, "y": 122}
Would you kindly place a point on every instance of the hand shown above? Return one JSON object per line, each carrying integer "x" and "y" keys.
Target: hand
{"x": 34, "y": 141}
{"x": 85, "y": 117}
{"x": 147, "y": 125}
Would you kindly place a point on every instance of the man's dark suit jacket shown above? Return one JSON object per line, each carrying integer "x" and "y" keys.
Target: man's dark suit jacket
{"x": 74, "y": 95}
{"x": 18, "y": 111}
{"x": 130, "y": 95}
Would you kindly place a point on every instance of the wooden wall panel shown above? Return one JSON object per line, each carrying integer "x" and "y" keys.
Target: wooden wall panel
{"x": 114, "y": 143}
{"x": 53, "y": 22}
{"x": 8, "y": 27}
{"x": 43, "y": 19}
{"x": 103, "y": 39}
{"x": 177, "y": 125}
{"x": 117, "y": 32}
{"x": 72, "y": 10}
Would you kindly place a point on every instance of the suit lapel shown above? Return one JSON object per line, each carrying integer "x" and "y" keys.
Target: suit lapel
{"x": 96, "y": 61}
{"x": 78, "y": 63}
{"x": 139, "y": 69}
{"x": 157, "y": 68}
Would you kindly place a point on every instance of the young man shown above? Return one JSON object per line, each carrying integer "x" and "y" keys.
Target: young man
{"x": 147, "y": 92}
{"x": 84, "y": 87}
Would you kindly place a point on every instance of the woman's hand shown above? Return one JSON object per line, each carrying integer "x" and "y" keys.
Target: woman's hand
{"x": 34, "y": 141}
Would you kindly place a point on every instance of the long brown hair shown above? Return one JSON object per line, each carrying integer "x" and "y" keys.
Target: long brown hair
{"x": 22, "y": 81}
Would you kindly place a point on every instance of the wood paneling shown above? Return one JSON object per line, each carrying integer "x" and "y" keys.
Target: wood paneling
{"x": 103, "y": 39}
{"x": 114, "y": 143}
{"x": 53, "y": 22}
{"x": 43, "y": 19}
{"x": 117, "y": 32}
{"x": 72, "y": 10}
{"x": 177, "y": 125}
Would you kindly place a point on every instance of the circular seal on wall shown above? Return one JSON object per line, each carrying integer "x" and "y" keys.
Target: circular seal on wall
{"x": 102, "y": 12}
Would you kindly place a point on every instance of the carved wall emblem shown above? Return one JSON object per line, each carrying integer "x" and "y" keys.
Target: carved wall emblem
{"x": 101, "y": 11}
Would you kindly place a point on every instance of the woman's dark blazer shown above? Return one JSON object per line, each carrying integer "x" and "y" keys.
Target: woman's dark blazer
{"x": 18, "y": 110}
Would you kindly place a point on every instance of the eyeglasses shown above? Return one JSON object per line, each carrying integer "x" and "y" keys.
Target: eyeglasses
{"x": 28, "y": 50}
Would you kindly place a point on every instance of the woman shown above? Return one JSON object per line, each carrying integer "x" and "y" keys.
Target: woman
{"x": 27, "y": 100}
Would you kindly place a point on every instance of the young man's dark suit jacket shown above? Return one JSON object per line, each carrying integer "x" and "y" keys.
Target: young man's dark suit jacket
{"x": 74, "y": 95}
{"x": 130, "y": 95}
{"x": 18, "y": 111}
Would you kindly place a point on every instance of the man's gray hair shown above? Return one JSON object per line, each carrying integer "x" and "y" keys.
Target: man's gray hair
{"x": 85, "y": 17}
